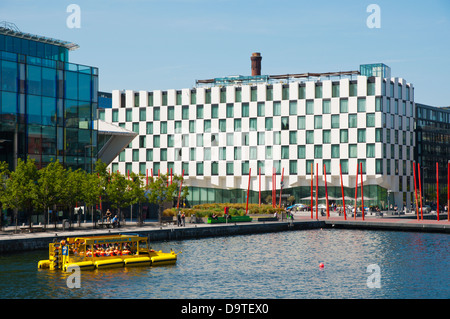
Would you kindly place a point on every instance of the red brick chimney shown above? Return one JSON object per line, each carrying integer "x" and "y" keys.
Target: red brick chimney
{"x": 256, "y": 63}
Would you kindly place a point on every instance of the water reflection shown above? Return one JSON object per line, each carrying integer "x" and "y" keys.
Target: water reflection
{"x": 274, "y": 265}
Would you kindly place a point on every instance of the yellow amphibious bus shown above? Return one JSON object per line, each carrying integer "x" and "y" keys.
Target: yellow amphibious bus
{"x": 107, "y": 251}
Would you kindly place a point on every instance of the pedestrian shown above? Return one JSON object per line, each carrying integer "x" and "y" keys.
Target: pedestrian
{"x": 108, "y": 215}
{"x": 183, "y": 218}
{"x": 179, "y": 218}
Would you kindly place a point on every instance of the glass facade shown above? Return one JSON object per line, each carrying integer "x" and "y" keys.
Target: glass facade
{"x": 48, "y": 106}
{"x": 432, "y": 146}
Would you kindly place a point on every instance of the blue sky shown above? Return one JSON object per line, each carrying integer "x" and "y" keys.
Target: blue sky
{"x": 168, "y": 44}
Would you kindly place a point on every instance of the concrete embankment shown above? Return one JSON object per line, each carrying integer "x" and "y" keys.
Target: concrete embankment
{"x": 35, "y": 241}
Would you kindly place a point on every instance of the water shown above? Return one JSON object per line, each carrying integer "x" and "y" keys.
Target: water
{"x": 275, "y": 265}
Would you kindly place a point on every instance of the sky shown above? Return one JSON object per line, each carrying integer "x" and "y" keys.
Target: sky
{"x": 169, "y": 44}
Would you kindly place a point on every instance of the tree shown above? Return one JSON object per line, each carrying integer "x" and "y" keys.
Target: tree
{"x": 73, "y": 190}
{"x": 159, "y": 191}
{"x": 92, "y": 189}
{"x": 117, "y": 191}
{"x": 4, "y": 175}
{"x": 50, "y": 187}
{"x": 21, "y": 188}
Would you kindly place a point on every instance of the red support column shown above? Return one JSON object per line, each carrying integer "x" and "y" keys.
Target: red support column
{"x": 248, "y": 190}
{"x": 274, "y": 181}
{"x": 356, "y": 189}
{"x": 420, "y": 192}
{"x": 437, "y": 190}
{"x": 146, "y": 176}
{"x": 326, "y": 190}
{"x": 312, "y": 179}
{"x": 415, "y": 190}
{"x": 171, "y": 176}
{"x": 362, "y": 192}
{"x": 281, "y": 188}
{"x": 317, "y": 190}
{"x": 260, "y": 187}
{"x": 342, "y": 190}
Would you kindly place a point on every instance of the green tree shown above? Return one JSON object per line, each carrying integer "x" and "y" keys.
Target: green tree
{"x": 160, "y": 191}
{"x": 50, "y": 187}
{"x": 21, "y": 188}
{"x": 92, "y": 189}
{"x": 117, "y": 192}
{"x": 4, "y": 175}
{"x": 73, "y": 191}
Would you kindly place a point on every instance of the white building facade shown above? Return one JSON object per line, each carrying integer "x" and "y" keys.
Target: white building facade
{"x": 220, "y": 130}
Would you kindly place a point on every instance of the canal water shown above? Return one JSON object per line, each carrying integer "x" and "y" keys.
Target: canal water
{"x": 356, "y": 264}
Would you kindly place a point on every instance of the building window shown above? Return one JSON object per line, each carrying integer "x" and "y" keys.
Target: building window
{"x": 214, "y": 111}
{"x": 301, "y": 92}
{"x": 245, "y": 110}
{"x": 285, "y": 123}
{"x": 301, "y": 123}
{"x": 361, "y": 135}
{"x": 276, "y": 108}
{"x": 353, "y": 89}
{"x": 142, "y": 141}
{"x": 352, "y": 150}
{"x": 343, "y": 106}
{"x": 237, "y": 125}
{"x": 149, "y": 154}
{"x": 326, "y": 107}
{"x": 237, "y": 153}
{"x": 199, "y": 111}
{"x": 317, "y": 151}
{"x": 142, "y": 114}
{"x": 170, "y": 113}
{"x": 185, "y": 112}
{"x": 335, "y": 88}
{"x": 326, "y": 136}
{"x": 268, "y": 152}
{"x": 335, "y": 122}
{"x": 230, "y": 112}
{"x": 163, "y": 127}
{"x": 193, "y": 97}
{"x": 200, "y": 168}
{"x": 370, "y": 88}
{"x": 253, "y": 124}
{"x": 245, "y": 167}
{"x": 361, "y": 104}
{"x": 293, "y": 137}
{"x": 378, "y": 166}
{"x": 285, "y": 152}
{"x": 214, "y": 168}
{"x": 223, "y": 95}
{"x": 285, "y": 92}
{"x": 352, "y": 120}
{"x": 309, "y": 166}
{"x": 269, "y": 93}
{"x": 230, "y": 168}
{"x": 269, "y": 123}
{"x": 318, "y": 91}
{"x": 292, "y": 167}
{"x": 261, "y": 108}
{"x": 276, "y": 138}
{"x": 207, "y": 126}
{"x": 163, "y": 154}
{"x": 335, "y": 151}
{"x": 261, "y": 138}
{"x": 253, "y": 94}
{"x": 344, "y": 166}
{"x": 301, "y": 153}
{"x": 318, "y": 121}
{"x": 370, "y": 150}
{"x": 292, "y": 107}
{"x": 370, "y": 120}
{"x": 309, "y": 137}
{"x": 156, "y": 114}
{"x": 238, "y": 95}
{"x": 156, "y": 141}
{"x": 310, "y": 107}
{"x": 115, "y": 115}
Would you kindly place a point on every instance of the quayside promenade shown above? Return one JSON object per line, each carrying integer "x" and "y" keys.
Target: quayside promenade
{"x": 13, "y": 241}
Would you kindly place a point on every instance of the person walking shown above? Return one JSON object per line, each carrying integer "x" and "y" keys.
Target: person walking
{"x": 179, "y": 219}
{"x": 183, "y": 217}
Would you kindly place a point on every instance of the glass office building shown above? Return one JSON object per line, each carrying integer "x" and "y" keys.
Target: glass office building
{"x": 48, "y": 105}
{"x": 433, "y": 146}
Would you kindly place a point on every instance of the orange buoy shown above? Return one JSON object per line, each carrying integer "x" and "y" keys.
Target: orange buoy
{"x": 321, "y": 265}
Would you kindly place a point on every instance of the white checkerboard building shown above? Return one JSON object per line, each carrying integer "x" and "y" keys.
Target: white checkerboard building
{"x": 220, "y": 129}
